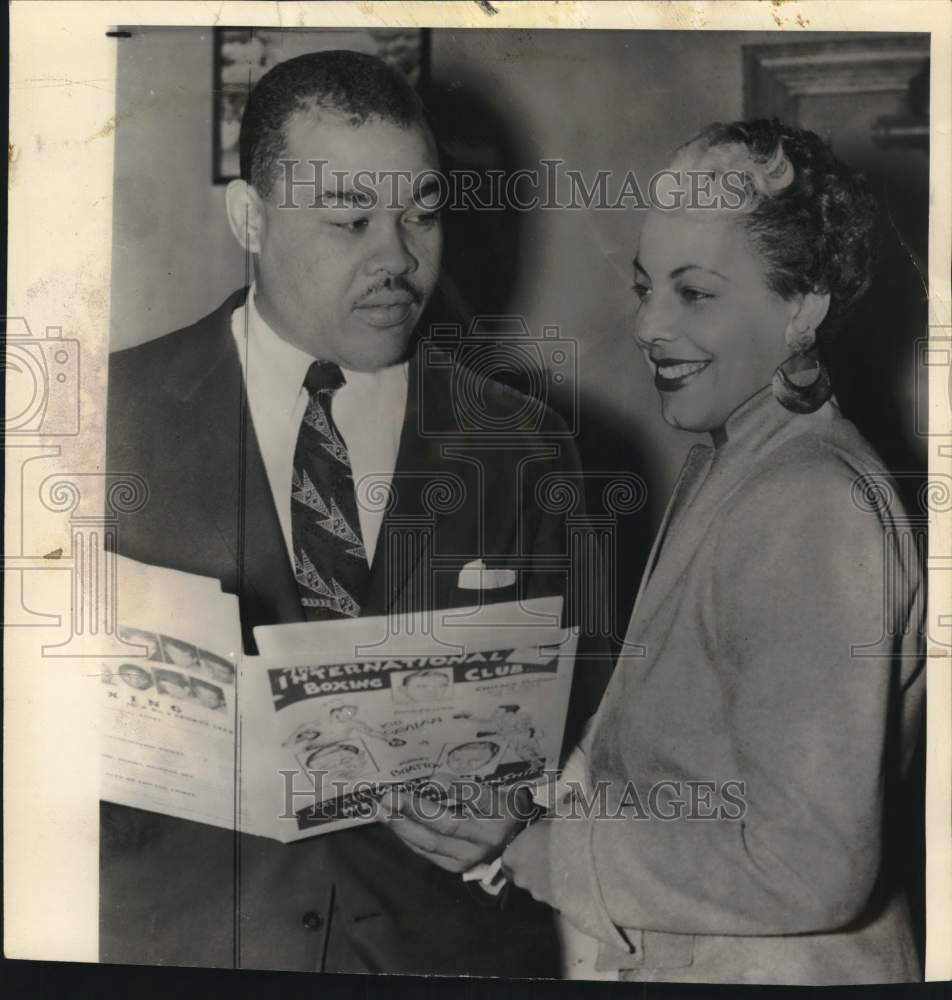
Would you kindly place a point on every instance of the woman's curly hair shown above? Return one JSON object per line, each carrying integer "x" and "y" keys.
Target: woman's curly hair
{"x": 811, "y": 218}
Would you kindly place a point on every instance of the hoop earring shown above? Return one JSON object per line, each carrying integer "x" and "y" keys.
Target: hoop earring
{"x": 798, "y": 397}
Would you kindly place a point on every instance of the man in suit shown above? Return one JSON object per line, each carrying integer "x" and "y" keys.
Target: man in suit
{"x": 255, "y": 429}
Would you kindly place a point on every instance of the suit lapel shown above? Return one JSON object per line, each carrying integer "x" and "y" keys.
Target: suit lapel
{"x": 402, "y": 577}
{"x": 399, "y": 549}
{"x": 226, "y": 475}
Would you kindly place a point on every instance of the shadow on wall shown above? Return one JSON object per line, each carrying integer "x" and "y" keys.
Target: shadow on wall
{"x": 483, "y": 265}
{"x": 875, "y": 358}
{"x": 481, "y": 249}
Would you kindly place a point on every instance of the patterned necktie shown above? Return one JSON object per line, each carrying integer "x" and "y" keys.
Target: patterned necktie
{"x": 330, "y": 564}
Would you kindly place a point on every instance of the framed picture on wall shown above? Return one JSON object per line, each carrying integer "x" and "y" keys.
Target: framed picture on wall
{"x": 243, "y": 55}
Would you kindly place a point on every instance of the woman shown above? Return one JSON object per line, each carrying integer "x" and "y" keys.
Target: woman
{"x": 752, "y": 758}
{"x": 765, "y": 583}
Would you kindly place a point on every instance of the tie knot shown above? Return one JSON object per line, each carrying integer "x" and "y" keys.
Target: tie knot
{"x": 323, "y": 376}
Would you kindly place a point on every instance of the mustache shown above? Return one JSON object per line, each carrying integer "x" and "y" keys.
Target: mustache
{"x": 397, "y": 283}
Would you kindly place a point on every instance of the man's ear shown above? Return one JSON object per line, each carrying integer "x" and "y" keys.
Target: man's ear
{"x": 801, "y": 330}
{"x": 245, "y": 215}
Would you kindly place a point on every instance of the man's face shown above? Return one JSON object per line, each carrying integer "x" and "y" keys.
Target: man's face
{"x": 346, "y": 280}
{"x": 142, "y": 639}
{"x": 471, "y": 756}
{"x": 208, "y": 697}
{"x": 427, "y": 687}
{"x": 220, "y": 672}
{"x": 136, "y": 678}
{"x": 180, "y": 656}
{"x": 342, "y": 761}
{"x": 175, "y": 688}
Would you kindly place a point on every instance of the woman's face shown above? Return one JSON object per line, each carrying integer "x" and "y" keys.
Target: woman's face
{"x": 710, "y": 328}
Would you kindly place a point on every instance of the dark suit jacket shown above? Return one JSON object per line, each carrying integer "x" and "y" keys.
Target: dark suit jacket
{"x": 177, "y": 892}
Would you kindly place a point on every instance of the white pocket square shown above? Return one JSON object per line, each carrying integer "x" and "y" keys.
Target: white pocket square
{"x": 476, "y": 576}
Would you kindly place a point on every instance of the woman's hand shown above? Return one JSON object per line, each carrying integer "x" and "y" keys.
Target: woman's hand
{"x": 457, "y": 837}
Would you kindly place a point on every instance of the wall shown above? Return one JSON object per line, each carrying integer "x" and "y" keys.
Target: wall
{"x": 174, "y": 258}
{"x": 605, "y": 100}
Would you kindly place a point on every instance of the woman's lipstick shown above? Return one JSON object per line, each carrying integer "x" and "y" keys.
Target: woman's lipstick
{"x": 671, "y": 374}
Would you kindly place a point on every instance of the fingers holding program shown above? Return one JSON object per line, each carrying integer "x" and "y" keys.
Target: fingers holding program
{"x": 453, "y": 834}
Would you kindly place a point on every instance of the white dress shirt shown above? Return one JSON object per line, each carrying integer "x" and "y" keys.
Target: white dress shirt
{"x": 368, "y": 411}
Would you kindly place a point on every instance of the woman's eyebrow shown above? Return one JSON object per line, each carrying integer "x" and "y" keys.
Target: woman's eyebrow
{"x": 678, "y": 271}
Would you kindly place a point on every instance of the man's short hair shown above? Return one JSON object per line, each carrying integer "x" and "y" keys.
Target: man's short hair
{"x": 352, "y": 84}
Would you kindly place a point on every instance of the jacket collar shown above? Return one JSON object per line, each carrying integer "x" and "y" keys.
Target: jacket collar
{"x": 760, "y": 418}
{"x": 754, "y": 430}
{"x": 405, "y": 543}
{"x": 210, "y": 351}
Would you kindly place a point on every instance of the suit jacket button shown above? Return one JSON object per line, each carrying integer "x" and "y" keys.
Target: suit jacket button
{"x": 312, "y": 921}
